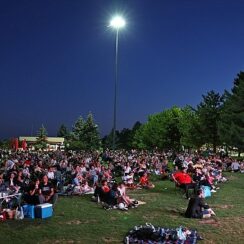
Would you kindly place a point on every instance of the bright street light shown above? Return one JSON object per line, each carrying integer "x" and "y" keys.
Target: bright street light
{"x": 117, "y": 23}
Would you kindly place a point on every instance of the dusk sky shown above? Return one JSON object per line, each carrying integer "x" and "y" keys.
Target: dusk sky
{"x": 57, "y": 59}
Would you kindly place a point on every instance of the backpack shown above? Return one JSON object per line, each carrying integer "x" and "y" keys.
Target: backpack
{"x": 206, "y": 191}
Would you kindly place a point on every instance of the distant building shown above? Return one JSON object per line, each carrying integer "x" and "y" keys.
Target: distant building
{"x": 53, "y": 143}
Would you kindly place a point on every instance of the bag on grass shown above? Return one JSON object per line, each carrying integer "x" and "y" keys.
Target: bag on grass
{"x": 19, "y": 214}
{"x": 206, "y": 191}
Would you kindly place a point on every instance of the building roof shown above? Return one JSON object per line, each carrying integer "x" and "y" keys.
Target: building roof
{"x": 49, "y": 139}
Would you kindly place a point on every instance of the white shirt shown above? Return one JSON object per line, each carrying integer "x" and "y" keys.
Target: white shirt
{"x": 50, "y": 175}
{"x": 235, "y": 166}
{"x": 127, "y": 169}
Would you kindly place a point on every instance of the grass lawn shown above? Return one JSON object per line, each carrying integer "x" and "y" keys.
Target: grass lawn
{"x": 78, "y": 220}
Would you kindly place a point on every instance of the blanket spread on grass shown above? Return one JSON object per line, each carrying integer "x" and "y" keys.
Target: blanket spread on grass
{"x": 149, "y": 234}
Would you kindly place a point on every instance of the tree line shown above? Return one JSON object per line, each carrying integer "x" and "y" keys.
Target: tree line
{"x": 218, "y": 120}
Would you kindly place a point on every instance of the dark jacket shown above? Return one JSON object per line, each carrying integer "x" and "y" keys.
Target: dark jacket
{"x": 3, "y": 187}
{"x": 195, "y": 208}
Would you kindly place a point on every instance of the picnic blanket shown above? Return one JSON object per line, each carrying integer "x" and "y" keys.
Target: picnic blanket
{"x": 149, "y": 234}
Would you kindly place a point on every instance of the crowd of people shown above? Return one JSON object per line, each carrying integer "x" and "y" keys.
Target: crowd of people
{"x": 41, "y": 177}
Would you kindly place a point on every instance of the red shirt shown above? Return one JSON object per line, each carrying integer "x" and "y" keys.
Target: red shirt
{"x": 27, "y": 162}
{"x": 105, "y": 188}
{"x": 182, "y": 178}
{"x": 144, "y": 180}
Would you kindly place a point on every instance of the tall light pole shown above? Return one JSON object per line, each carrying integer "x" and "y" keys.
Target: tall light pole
{"x": 116, "y": 23}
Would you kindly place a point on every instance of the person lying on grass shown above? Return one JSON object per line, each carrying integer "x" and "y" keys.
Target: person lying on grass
{"x": 197, "y": 208}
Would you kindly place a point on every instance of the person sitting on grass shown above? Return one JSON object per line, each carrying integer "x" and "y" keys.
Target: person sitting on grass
{"x": 101, "y": 193}
{"x": 93, "y": 175}
{"x": 235, "y": 166}
{"x": 20, "y": 180}
{"x": 85, "y": 188}
{"x": 50, "y": 173}
{"x": 112, "y": 197}
{"x": 123, "y": 198}
{"x": 46, "y": 192}
{"x": 144, "y": 182}
{"x": 210, "y": 181}
{"x": 32, "y": 196}
{"x": 242, "y": 167}
{"x": 129, "y": 180}
{"x": 127, "y": 169}
{"x": 77, "y": 180}
{"x": 164, "y": 169}
{"x": 184, "y": 181}
{"x": 14, "y": 188}
{"x": 197, "y": 208}
{"x": 107, "y": 174}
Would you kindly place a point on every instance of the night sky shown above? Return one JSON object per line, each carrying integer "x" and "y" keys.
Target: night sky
{"x": 57, "y": 59}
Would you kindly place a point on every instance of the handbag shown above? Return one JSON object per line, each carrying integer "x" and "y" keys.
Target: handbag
{"x": 206, "y": 191}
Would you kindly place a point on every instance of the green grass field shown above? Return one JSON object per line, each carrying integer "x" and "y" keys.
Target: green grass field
{"x": 78, "y": 220}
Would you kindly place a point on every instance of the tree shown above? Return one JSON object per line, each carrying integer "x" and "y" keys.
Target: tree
{"x": 160, "y": 131}
{"x": 41, "y": 141}
{"x": 85, "y": 135}
{"x": 107, "y": 141}
{"x": 231, "y": 128}
{"x": 90, "y": 135}
{"x": 208, "y": 112}
{"x": 63, "y": 132}
{"x": 190, "y": 129}
{"x": 124, "y": 138}
{"x": 139, "y": 138}
{"x": 78, "y": 129}
{"x": 5, "y": 144}
{"x": 134, "y": 130}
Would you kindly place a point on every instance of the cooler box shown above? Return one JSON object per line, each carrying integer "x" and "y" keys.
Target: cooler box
{"x": 29, "y": 211}
{"x": 44, "y": 210}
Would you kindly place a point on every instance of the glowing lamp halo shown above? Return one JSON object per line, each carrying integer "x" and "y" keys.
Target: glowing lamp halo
{"x": 117, "y": 22}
